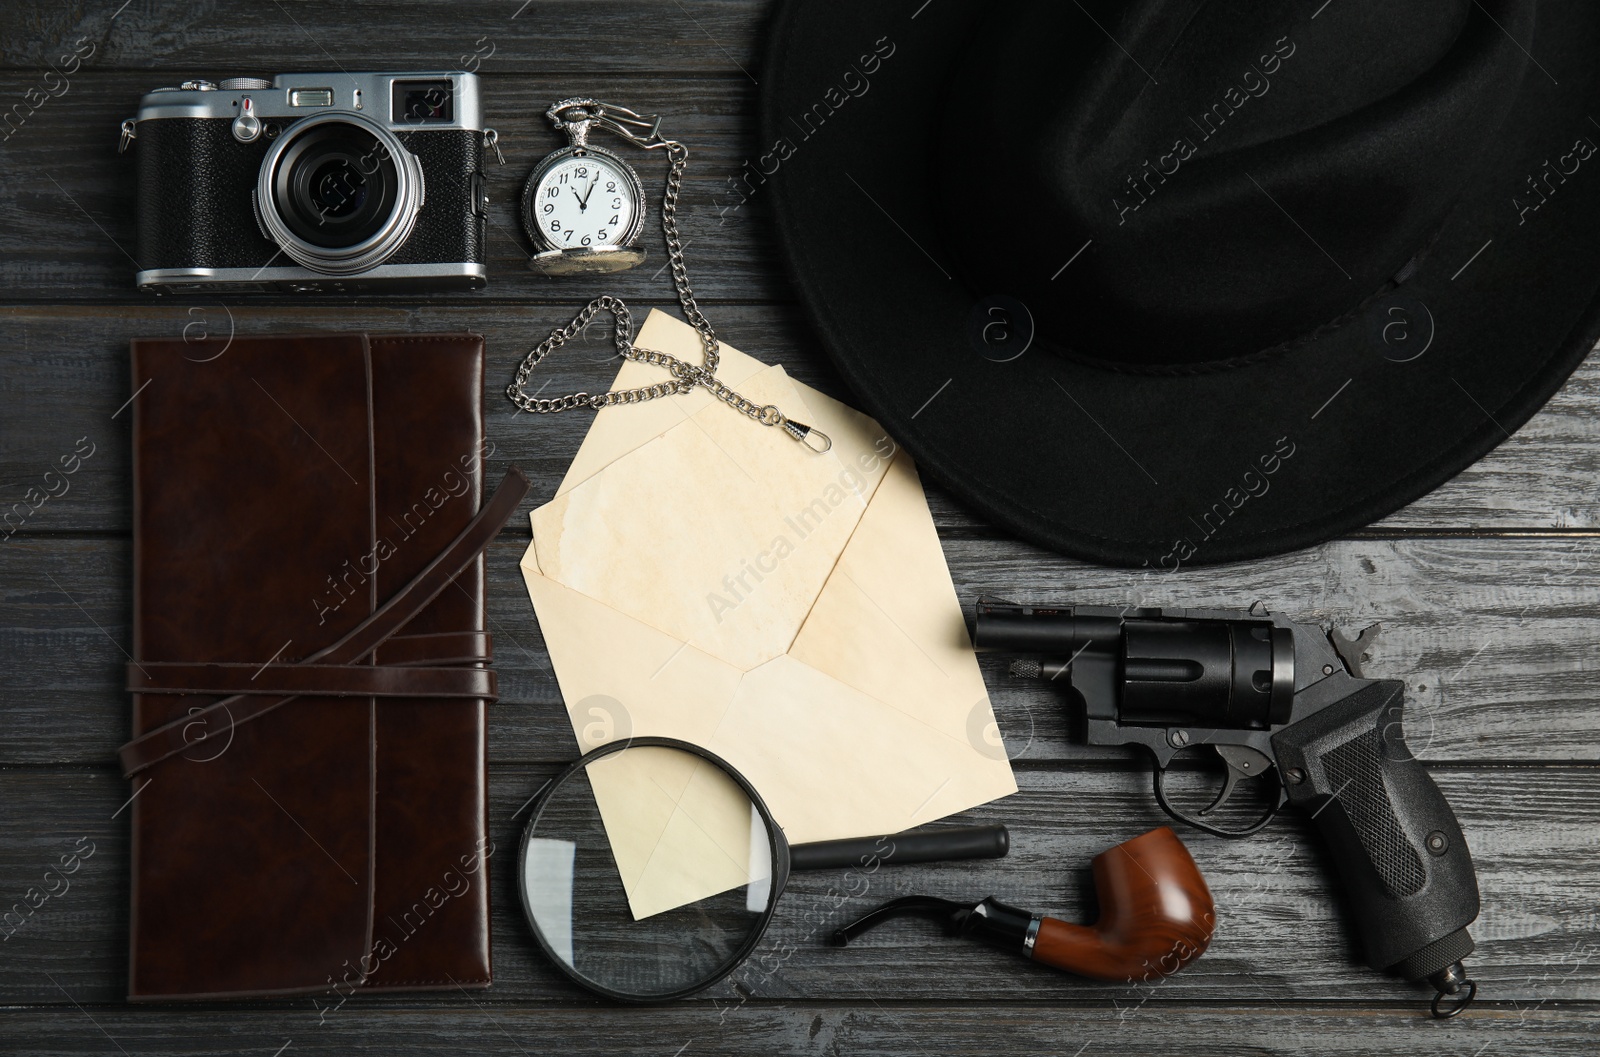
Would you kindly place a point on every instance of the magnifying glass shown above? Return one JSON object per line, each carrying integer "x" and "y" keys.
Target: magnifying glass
{"x": 650, "y": 867}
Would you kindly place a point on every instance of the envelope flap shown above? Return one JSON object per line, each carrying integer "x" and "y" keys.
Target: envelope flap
{"x": 620, "y": 677}
{"x": 720, "y": 532}
{"x": 888, "y": 621}
{"x": 620, "y": 429}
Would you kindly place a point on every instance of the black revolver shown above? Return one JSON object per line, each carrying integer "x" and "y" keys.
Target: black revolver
{"x": 1270, "y": 694}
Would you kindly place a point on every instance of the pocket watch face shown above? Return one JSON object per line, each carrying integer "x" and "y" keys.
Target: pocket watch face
{"x": 584, "y": 201}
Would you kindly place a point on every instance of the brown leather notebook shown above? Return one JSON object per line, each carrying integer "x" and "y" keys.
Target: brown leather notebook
{"x": 310, "y": 666}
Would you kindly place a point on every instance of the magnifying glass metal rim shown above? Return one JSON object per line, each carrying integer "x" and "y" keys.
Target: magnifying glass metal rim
{"x": 780, "y": 870}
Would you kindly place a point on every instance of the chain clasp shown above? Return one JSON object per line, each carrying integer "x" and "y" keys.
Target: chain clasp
{"x": 803, "y": 433}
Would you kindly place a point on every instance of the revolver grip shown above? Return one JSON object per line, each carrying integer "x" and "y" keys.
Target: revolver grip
{"x": 1405, "y": 865}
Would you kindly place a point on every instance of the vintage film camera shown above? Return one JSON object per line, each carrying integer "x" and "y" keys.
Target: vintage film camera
{"x": 312, "y": 183}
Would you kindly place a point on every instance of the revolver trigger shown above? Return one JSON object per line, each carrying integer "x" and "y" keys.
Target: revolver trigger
{"x": 1250, "y": 762}
{"x": 1242, "y": 762}
{"x": 1229, "y": 780}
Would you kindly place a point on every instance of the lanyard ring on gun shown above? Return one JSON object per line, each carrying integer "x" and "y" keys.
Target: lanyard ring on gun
{"x": 577, "y": 116}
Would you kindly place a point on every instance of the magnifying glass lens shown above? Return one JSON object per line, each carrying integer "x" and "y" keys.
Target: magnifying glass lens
{"x": 648, "y": 873}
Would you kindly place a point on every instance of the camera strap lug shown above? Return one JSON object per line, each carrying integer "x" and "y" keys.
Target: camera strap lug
{"x": 491, "y": 141}
{"x": 129, "y": 134}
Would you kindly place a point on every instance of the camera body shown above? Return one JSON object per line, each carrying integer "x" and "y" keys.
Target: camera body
{"x": 312, "y": 183}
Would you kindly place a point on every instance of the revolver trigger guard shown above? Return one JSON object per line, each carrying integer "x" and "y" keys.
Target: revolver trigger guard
{"x": 1159, "y": 774}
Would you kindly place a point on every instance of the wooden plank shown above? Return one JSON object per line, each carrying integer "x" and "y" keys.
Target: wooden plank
{"x": 1498, "y": 668}
{"x": 1496, "y": 637}
{"x": 1282, "y": 934}
{"x": 572, "y": 37}
{"x": 69, "y": 200}
{"x": 479, "y": 1024}
{"x": 64, "y": 373}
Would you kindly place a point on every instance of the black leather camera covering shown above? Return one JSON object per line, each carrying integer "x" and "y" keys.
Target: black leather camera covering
{"x": 195, "y": 182}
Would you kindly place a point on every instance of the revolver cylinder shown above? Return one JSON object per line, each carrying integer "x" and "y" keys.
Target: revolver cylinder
{"x": 1166, "y": 671}
{"x": 1210, "y": 673}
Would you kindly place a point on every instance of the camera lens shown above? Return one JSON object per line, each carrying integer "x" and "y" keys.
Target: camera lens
{"x": 339, "y": 193}
{"x": 338, "y": 189}
{"x": 336, "y": 185}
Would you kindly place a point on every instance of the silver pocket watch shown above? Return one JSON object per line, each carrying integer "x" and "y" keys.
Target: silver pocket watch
{"x": 583, "y": 207}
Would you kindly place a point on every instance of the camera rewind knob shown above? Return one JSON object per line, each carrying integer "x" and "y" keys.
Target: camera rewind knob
{"x": 246, "y": 127}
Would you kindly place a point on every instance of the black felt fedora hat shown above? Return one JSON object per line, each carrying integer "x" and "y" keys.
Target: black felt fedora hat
{"x": 1173, "y": 281}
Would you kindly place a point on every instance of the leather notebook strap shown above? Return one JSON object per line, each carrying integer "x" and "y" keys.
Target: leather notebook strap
{"x": 311, "y": 680}
{"x": 170, "y": 739}
{"x": 441, "y": 647}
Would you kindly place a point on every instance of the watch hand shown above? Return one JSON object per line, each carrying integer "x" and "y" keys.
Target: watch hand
{"x": 582, "y": 205}
{"x": 591, "y": 190}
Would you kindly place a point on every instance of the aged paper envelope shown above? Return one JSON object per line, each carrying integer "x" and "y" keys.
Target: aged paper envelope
{"x": 702, "y": 577}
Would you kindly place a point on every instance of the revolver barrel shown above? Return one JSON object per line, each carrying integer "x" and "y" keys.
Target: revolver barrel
{"x": 1044, "y": 631}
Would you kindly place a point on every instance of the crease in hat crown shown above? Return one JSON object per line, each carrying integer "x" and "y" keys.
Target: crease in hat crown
{"x": 1263, "y": 178}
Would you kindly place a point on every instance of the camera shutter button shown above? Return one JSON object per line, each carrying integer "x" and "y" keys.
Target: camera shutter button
{"x": 246, "y": 127}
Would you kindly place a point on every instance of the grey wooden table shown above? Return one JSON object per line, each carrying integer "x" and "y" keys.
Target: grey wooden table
{"x": 1489, "y": 592}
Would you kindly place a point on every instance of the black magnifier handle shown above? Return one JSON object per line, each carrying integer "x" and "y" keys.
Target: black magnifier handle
{"x": 912, "y": 846}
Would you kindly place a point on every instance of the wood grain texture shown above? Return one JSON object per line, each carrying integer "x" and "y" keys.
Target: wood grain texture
{"x": 481, "y": 1024}
{"x": 67, "y": 374}
{"x": 198, "y": 38}
{"x": 1498, "y": 668}
{"x": 1488, "y": 589}
{"x": 1282, "y": 929}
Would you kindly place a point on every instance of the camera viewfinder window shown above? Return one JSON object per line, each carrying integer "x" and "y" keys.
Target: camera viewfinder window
{"x": 416, "y": 102}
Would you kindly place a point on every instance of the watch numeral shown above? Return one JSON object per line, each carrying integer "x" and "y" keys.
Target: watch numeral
{"x": 552, "y": 192}
{"x": 613, "y": 221}
{"x": 569, "y": 234}
{"x": 601, "y": 235}
{"x": 585, "y": 240}
{"x": 583, "y": 171}
{"x": 549, "y": 207}
{"x": 611, "y": 185}
{"x": 616, "y": 203}
{"x": 555, "y": 225}
{"x": 564, "y": 177}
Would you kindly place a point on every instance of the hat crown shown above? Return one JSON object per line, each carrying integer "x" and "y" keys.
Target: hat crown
{"x": 1236, "y": 173}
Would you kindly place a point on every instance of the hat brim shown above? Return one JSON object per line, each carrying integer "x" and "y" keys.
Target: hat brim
{"x": 1169, "y": 469}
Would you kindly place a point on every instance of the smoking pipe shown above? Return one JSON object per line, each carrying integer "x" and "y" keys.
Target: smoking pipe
{"x": 1156, "y": 916}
